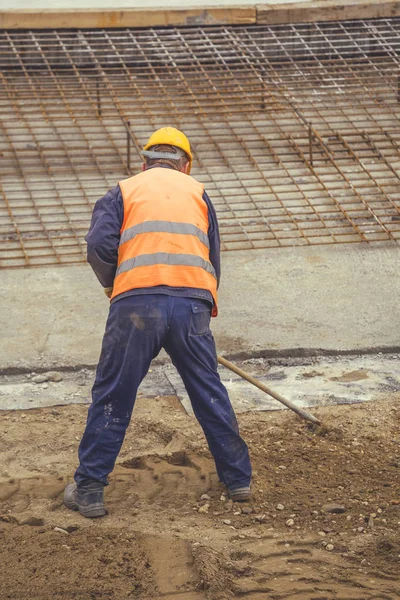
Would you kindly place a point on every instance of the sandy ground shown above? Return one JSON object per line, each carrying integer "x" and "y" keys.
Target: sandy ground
{"x": 171, "y": 532}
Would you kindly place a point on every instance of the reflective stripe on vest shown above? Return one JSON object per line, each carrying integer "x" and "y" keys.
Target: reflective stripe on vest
{"x": 164, "y": 235}
{"x": 164, "y": 227}
{"x": 162, "y": 258}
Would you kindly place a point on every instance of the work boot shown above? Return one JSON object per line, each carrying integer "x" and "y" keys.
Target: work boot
{"x": 242, "y": 494}
{"x": 88, "y": 498}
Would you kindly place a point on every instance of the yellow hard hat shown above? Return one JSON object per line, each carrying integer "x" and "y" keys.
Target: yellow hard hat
{"x": 171, "y": 137}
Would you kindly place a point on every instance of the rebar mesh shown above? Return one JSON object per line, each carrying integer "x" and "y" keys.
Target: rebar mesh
{"x": 295, "y": 129}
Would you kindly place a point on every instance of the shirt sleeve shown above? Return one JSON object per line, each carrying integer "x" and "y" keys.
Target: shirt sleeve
{"x": 104, "y": 236}
{"x": 213, "y": 236}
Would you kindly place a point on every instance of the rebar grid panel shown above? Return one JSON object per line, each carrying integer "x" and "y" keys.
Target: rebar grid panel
{"x": 295, "y": 129}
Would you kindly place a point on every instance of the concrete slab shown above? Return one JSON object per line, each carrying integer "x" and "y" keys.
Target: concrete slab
{"x": 20, "y": 392}
{"x": 42, "y": 5}
{"x": 335, "y": 298}
{"x": 319, "y": 382}
{"x": 337, "y": 380}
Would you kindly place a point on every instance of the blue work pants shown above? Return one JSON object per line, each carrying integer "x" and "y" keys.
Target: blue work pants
{"x": 137, "y": 328}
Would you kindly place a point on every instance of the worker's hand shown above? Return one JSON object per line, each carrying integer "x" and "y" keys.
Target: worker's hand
{"x": 108, "y": 292}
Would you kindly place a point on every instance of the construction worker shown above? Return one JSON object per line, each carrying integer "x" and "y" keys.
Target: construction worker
{"x": 154, "y": 245}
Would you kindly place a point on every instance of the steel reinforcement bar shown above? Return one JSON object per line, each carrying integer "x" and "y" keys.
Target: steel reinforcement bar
{"x": 295, "y": 129}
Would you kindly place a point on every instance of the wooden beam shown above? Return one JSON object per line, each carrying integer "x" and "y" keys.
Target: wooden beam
{"x": 326, "y": 10}
{"x": 264, "y": 14}
{"x": 92, "y": 19}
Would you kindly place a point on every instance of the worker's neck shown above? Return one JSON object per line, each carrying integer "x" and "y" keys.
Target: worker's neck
{"x": 162, "y": 165}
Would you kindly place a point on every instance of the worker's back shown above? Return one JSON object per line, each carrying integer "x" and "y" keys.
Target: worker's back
{"x": 164, "y": 237}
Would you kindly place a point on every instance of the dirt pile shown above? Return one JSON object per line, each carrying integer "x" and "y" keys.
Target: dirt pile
{"x": 171, "y": 531}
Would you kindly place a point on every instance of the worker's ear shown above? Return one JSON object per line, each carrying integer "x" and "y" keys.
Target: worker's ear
{"x": 143, "y": 166}
{"x": 185, "y": 168}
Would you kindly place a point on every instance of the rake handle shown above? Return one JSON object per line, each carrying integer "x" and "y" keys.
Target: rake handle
{"x": 302, "y": 413}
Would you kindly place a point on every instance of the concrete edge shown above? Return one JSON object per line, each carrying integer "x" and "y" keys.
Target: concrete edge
{"x": 295, "y": 12}
{"x": 300, "y": 355}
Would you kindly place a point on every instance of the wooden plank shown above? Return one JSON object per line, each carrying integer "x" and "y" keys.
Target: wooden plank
{"x": 92, "y": 19}
{"x": 295, "y": 12}
{"x": 326, "y": 10}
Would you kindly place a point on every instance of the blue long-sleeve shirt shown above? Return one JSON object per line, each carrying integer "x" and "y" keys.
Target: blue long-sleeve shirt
{"x": 103, "y": 243}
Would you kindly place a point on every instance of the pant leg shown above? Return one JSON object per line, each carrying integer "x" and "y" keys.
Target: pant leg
{"x": 134, "y": 335}
{"x": 191, "y": 347}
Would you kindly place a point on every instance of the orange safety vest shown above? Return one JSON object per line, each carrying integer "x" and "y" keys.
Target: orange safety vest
{"x": 164, "y": 237}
